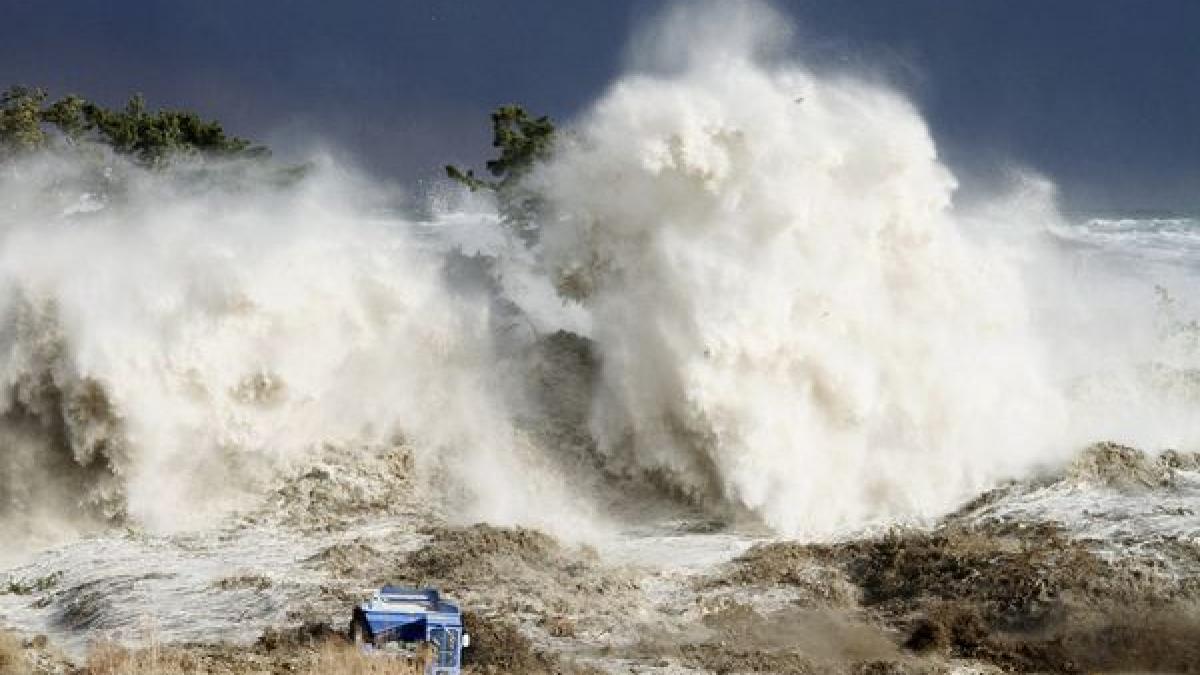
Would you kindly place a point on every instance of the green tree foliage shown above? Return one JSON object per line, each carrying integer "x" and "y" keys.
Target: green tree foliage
{"x": 20, "y": 120}
{"x": 523, "y": 141}
{"x": 66, "y": 114}
{"x": 148, "y": 138}
{"x": 154, "y": 137}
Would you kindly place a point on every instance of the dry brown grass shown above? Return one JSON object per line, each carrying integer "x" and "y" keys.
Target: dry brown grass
{"x": 12, "y": 656}
{"x": 339, "y": 658}
{"x": 333, "y": 657}
{"x": 110, "y": 658}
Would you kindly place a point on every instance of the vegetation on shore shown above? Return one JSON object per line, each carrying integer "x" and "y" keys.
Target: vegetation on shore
{"x": 31, "y": 122}
{"x": 523, "y": 140}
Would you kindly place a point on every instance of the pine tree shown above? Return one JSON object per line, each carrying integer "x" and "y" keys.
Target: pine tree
{"x": 523, "y": 141}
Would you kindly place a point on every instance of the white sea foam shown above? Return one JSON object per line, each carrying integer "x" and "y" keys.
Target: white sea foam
{"x": 165, "y": 354}
{"x": 792, "y": 318}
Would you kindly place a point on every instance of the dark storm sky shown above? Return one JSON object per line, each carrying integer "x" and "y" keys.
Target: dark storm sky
{"x": 1101, "y": 95}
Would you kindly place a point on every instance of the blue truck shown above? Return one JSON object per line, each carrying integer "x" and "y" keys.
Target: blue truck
{"x": 397, "y": 614}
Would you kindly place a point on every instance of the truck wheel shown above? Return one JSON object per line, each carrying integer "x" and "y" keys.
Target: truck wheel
{"x": 360, "y": 634}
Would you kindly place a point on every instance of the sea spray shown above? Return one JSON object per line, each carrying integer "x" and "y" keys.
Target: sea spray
{"x": 172, "y": 346}
{"x": 1112, "y": 304}
{"x": 767, "y": 302}
{"x": 789, "y": 318}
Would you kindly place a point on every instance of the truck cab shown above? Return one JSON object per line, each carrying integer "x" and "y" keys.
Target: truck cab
{"x": 397, "y": 614}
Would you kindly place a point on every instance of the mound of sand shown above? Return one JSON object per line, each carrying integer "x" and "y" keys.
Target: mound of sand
{"x": 789, "y": 564}
{"x": 1126, "y": 468}
{"x": 1025, "y": 599}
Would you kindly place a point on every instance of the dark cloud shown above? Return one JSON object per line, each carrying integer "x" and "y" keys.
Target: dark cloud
{"x": 1103, "y": 96}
